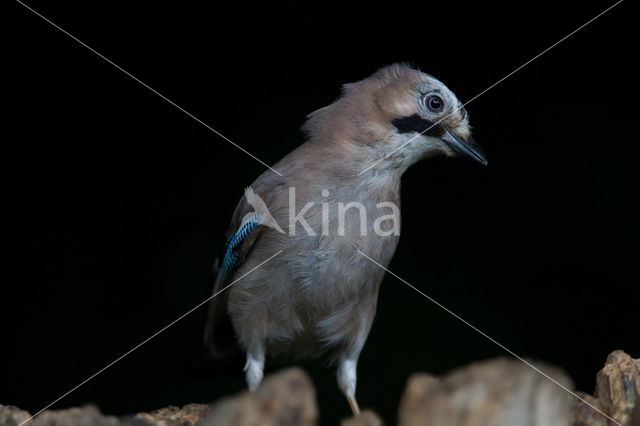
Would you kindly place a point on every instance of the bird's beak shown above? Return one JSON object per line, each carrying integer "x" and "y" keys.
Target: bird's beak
{"x": 465, "y": 147}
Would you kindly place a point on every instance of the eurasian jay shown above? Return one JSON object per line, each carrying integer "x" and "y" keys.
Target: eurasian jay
{"x": 318, "y": 295}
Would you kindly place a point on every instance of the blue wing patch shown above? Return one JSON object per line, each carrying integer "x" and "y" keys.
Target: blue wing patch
{"x": 230, "y": 254}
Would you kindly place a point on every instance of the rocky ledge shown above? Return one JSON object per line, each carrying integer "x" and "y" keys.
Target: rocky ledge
{"x": 494, "y": 392}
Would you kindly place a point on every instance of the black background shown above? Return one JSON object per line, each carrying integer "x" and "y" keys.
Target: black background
{"x": 118, "y": 202}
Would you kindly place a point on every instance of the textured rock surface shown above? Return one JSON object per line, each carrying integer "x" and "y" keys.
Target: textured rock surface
{"x": 635, "y": 417}
{"x": 617, "y": 394}
{"x": 366, "y": 418}
{"x": 618, "y": 386}
{"x": 77, "y": 416}
{"x": 495, "y": 392}
{"x": 284, "y": 399}
{"x": 584, "y": 415}
{"x": 10, "y": 415}
{"x": 174, "y": 416}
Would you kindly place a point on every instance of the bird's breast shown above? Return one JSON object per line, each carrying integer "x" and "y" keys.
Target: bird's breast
{"x": 327, "y": 266}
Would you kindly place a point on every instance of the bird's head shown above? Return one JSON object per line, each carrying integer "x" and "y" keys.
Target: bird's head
{"x": 401, "y": 115}
{"x": 423, "y": 110}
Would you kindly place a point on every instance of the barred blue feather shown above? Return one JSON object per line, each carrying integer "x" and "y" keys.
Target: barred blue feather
{"x": 230, "y": 258}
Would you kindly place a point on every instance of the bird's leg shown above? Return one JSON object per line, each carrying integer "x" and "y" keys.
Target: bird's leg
{"x": 354, "y": 405}
{"x": 347, "y": 381}
{"x": 348, "y": 356}
{"x": 254, "y": 369}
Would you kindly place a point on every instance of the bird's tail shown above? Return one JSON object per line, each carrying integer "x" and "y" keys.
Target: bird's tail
{"x": 222, "y": 352}
{"x": 219, "y": 335}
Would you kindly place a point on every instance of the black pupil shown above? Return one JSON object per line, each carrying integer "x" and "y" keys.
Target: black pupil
{"x": 435, "y": 103}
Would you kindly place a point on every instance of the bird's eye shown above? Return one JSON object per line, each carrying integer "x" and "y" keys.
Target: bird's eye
{"x": 434, "y": 103}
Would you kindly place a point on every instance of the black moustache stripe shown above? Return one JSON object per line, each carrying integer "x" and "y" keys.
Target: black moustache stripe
{"x": 415, "y": 123}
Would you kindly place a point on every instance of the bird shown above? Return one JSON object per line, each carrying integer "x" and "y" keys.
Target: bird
{"x": 318, "y": 295}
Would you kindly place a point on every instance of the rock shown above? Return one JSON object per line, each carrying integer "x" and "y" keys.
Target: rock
{"x": 283, "y": 399}
{"x": 617, "y": 394}
{"x": 286, "y": 398}
{"x": 494, "y": 392}
{"x": 188, "y": 415}
{"x": 90, "y": 416}
{"x": 77, "y": 416}
{"x": 618, "y": 386}
{"x": 635, "y": 417}
{"x": 365, "y": 418}
{"x": 12, "y": 416}
{"x": 584, "y": 415}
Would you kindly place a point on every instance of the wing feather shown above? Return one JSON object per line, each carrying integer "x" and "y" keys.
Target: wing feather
{"x": 244, "y": 231}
